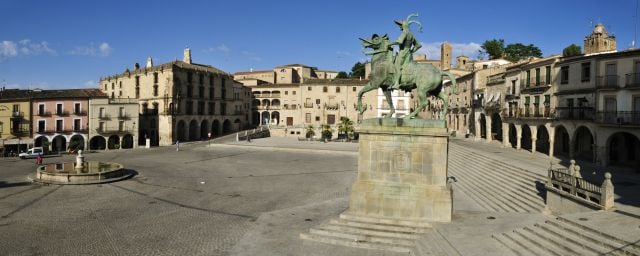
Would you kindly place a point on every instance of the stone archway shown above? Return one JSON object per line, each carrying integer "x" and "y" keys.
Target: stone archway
{"x": 59, "y": 143}
{"x": 525, "y": 141}
{"x": 265, "y": 118}
{"x": 204, "y": 129}
{"x": 97, "y": 143}
{"x": 542, "y": 140}
{"x": 194, "y": 133}
{"x": 583, "y": 144}
{"x": 275, "y": 118}
{"x": 43, "y": 142}
{"x": 226, "y": 126}
{"x": 127, "y": 141}
{"x": 255, "y": 118}
{"x": 513, "y": 136}
{"x": 624, "y": 150}
{"x": 76, "y": 142}
{"x": 113, "y": 142}
{"x": 181, "y": 131}
{"x": 561, "y": 142}
{"x": 237, "y": 124}
{"x": 215, "y": 128}
{"x": 483, "y": 126}
{"x": 496, "y": 126}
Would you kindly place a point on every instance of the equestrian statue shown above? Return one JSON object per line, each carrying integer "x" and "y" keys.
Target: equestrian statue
{"x": 390, "y": 71}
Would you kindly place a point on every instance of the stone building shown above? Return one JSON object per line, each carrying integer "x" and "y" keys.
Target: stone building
{"x": 60, "y": 120}
{"x": 15, "y": 120}
{"x": 113, "y": 123}
{"x": 599, "y": 41}
{"x": 459, "y": 116}
{"x": 181, "y": 100}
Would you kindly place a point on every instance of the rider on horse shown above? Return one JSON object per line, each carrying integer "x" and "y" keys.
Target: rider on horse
{"x": 407, "y": 44}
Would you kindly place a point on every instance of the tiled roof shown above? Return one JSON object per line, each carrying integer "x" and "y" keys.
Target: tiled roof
{"x": 6, "y": 94}
{"x": 252, "y": 72}
{"x": 176, "y": 63}
{"x": 293, "y": 65}
{"x": 68, "y": 93}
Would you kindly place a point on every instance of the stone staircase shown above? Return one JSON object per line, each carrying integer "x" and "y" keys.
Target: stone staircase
{"x": 369, "y": 233}
{"x": 433, "y": 243}
{"x": 561, "y": 236}
{"x": 495, "y": 185}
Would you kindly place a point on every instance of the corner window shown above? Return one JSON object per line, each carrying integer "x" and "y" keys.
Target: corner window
{"x": 585, "y": 75}
{"x": 564, "y": 75}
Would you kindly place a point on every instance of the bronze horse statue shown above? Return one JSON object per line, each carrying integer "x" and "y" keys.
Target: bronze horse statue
{"x": 426, "y": 78}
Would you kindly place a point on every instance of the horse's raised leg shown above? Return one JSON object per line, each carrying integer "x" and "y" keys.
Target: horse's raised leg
{"x": 387, "y": 94}
{"x": 445, "y": 102}
{"x": 364, "y": 90}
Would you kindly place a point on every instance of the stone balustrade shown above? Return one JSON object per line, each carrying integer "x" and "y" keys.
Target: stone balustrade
{"x": 567, "y": 190}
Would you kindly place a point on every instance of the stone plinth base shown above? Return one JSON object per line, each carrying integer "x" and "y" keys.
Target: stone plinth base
{"x": 402, "y": 171}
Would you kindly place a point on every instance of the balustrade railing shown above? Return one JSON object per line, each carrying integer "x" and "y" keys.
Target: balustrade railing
{"x": 569, "y": 184}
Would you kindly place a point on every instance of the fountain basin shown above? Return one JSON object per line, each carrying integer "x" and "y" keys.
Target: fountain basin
{"x": 91, "y": 172}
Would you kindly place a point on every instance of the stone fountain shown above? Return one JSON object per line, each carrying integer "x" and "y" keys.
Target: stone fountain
{"x": 81, "y": 172}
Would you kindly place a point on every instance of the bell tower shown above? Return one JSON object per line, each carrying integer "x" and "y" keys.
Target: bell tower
{"x": 599, "y": 41}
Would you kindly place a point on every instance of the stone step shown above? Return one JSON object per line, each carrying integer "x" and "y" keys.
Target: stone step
{"x": 386, "y": 221}
{"x": 369, "y": 231}
{"x": 587, "y": 243}
{"x": 513, "y": 175}
{"x": 537, "y": 244}
{"x": 510, "y": 244}
{"x": 562, "y": 247}
{"x": 524, "y": 244}
{"x": 379, "y": 227}
{"x": 525, "y": 201}
{"x": 356, "y": 244}
{"x": 437, "y": 244}
{"x": 604, "y": 239}
{"x": 516, "y": 172}
{"x": 360, "y": 237}
{"x": 472, "y": 155}
{"x": 482, "y": 198}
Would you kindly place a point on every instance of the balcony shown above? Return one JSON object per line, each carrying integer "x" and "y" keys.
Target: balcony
{"x": 80, "y": 113}
{"x": 44, "y": 113}
{"x": 308, "y": 105}
{"x": 607, "y": 82}
{"x": 632, "y": 80}
{"x": 123, "y": 116}
{"x": 332, "y": 106}
{"x": 495, "y": 80}
{"x": 62, "y": 113}
{"x": 16, "y": 115}
{"x": 104, "y": 117}
{"x": 618, "y": 117}
{"x": 575, "y": 113}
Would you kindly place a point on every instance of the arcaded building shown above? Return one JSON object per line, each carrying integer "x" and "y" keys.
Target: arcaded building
{"x": 181, "y": 100}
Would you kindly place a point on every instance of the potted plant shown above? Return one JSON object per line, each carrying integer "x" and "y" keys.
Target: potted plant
{"x": 327, "y": 132}
{"x": 310, "y": 132}
{"x": 346, "y": 127}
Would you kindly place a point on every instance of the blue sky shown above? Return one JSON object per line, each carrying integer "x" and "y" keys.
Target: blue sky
{"x": 68, "y": 44}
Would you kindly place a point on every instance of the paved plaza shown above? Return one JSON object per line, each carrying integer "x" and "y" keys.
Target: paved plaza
{"x": 256, "y": 198}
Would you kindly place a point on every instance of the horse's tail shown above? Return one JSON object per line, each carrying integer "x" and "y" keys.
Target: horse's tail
{"x": 454, "y": 86}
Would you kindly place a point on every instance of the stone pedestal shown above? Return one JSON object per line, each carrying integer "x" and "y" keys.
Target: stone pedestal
{"x": 402, "y": 171}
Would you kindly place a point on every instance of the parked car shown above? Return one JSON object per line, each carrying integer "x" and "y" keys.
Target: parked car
{"x": 32, "y": 153}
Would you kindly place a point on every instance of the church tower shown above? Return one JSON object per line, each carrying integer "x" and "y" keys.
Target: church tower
{"x": 599, "y": 41}
{"x": 445, "y": 56}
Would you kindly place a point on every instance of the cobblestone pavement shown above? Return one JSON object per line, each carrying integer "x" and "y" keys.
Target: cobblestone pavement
{"x": 199, "y": 201}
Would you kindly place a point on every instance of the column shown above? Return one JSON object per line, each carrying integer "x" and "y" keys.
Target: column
{"x": 519, "y": 137}
{"x": 551, "y": 146}
{"x": 488, "y": 130}
{"x": 505, "y": 134}
{"x": 533, "y": 144}
{"x": 478, "y": 129}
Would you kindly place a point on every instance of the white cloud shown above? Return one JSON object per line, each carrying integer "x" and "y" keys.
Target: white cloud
{"x": 251, "y": 56}
{"x": 103, "y": 50}
{"x": 90, "y": 84}
{"x": 223, "y": 48}
{"x": 37, "y": 85}
{"x": 25, "y": 47}
{"x": 432, "y": 49}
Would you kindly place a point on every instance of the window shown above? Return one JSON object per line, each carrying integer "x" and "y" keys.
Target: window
{"x": 211, "y": 93}
{"x": 564, "y": 75}
{"x": 537, "y": 76}
{"x": 59, "y": 109}
{"x": 317, "y": 101}
{"x": 59, "y": 125}
{"x": 286, "y": 92}
{"x": 77, "y": 125}
{"x": 548, "y": 74}
{"x": 113, "y": 86}
{"x": 337, "y": 89}
{"x": 155, "y": 77}
{"x": 293, "y": 92}
{"x": 41, "y": 109}
{"x": 137, "y": 81}
{"x": 353, "y": 89}
{"x": 76, "y": 108}
{"x": 155, "y": 90}
{"x": 120, "y": 85}
{"x": 212, "y": 108}
{"x": 317, "y": 119}
{"x": 42, "y": 125}
{"x": 121, "y": 112}
{"x": 527, "y": 80}
{"x": 325, "y": 89}
{"x": 308, "y": 88}
{"x": 101, "y": 113}
{"x": 121, "y": 126}
{"x": 307, "y": 118}
{"x": 101, "y": 126}
{"x": 585, "y": 75}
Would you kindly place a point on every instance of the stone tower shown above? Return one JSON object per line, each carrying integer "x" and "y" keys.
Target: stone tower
{"x": 187, "y": 55}
{"x": 445, "y": 56}
{"x": 599, "y": 41}
{"x": 462, "y": 62}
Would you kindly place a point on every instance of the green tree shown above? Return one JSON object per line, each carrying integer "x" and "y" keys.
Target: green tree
{"x": 493, "y": 48}
{"x": 357, "y": 71}
{"x": 518, "y": 51}
{"x": 310, "y": 131}
{"x": 327, "y": 132}
{"x": 342, "y": 74}
{"x": 571, "y": 50}
{"x": 345, "y": 127}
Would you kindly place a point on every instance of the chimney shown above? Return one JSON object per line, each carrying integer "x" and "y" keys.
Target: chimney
{"x": 149, "y": 62}
{"x": 136, "y": 66}
{"x": 187, "y": 55}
